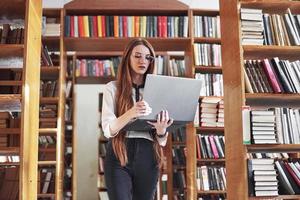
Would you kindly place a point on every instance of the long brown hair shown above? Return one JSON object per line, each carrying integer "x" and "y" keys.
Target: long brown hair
{"x": 124, "y": 99}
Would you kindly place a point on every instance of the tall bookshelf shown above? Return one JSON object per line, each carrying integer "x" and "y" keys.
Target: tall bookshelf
{"x": 52, "y": 111}
{"x": 111, "y": 45}
{"x": 235, "y": 96}
{"x": 24, "y": 101}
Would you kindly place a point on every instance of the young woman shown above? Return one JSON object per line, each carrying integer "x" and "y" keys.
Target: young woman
{"x": 133, "y": 158}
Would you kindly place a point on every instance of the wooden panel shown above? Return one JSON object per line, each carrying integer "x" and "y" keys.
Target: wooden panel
{"x": 30, "y": 102}
{"x": 207, "y": 40}
{"x": 233, "y": 100}
{"x": 202, "y": 12}
{"x": 275, "y": 7}
{"x": 124, "y": 6}
{"x": 12, "y": 9}
{"x": 191, "y": 162}
{"x": 273, "y": 148}
{"x": 119, "y": 44}
{"x": 13, "y": 50}
{"x": 260, "y": 52}
{"x": 273, "y": 100}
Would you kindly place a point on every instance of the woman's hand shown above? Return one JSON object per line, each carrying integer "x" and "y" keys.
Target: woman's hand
{"x": 162, "y": 123}
{"x": 140, "y": 108}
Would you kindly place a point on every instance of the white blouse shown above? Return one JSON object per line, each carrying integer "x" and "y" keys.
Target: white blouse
{"x": 109, "y": 110}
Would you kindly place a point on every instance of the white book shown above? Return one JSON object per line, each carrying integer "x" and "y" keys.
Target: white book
{"x": 266, "y": 193}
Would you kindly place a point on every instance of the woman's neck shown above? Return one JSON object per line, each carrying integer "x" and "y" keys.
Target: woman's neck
{"x": 138, "y": 79}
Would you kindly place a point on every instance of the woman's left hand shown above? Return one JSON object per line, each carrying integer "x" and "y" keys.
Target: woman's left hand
{"x": 162, "y": 123}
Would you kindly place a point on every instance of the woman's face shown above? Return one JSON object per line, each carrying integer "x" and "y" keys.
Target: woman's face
{"x": 140, "y": 59}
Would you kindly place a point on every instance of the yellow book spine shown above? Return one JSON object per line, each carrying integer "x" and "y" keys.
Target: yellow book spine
{"x": 86, "y": 26}
{"x": 99, "y": 19}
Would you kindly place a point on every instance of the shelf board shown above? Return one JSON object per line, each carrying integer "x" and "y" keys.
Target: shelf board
{"x": 211, "y": 192}
{"x": 209, "y": 40}
{"x": 118, "y": 44}
{"x": 48, "y": 195}
{"x": 273, "y": 6}
{"x": 11, "y": 50}
{"x": 9, "y": 163}
{"x": 10, "y": 102}
{"x": 13, "y": 9}
{"x": 270, "y": 99}
{"x": 47, "y": 150}
{"x": 210, "y": 129}
{"x": 10, "y": 131}
{"x": 47, "y": 162}
{"x": 49, "y": 72}
{"x": 48, "y": 119}
{"x": 121, "y": 6}
{"x": 201, "y": 12}
{"x": 273, "y": 148}
{"x": 209, "y": 69}
{"x": 281, "y": 197}
{"x": 52, "y": 42}
{"x": 47, "y": 131}
{"x": 10, "y": 83}
{"x": 93, "y": 80}
{"x": 263, "y": 51}
{"x": 9, "y": 150}
{"x": 211, "y": 160}
{"x": 49, "y": 100}
{"x": 51, "y": 12}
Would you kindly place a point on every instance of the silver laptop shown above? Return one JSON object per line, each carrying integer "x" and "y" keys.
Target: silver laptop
{"x": 179, "y": 96}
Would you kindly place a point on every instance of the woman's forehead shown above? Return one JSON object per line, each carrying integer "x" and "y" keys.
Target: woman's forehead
{"x": 140, "y": 49}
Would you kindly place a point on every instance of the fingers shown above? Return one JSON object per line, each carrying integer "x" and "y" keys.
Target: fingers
{"x": 143, "y": 108}
{"x": 163, "y": 116}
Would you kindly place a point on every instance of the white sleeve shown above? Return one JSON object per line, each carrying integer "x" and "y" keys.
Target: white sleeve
{"x": 108, "y": 111}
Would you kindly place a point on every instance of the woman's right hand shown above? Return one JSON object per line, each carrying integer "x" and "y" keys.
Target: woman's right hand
{"x": 139, "y": 109}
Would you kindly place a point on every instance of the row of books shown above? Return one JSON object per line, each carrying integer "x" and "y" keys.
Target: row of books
{"x": 50, "y": 26}
{"x": 272, "y": 76}
{"x": 179, "y": 135}
{"x": 211, "y": 84}
{"x": 207, "y": 54}
{"x": 211, "y": 178}
{"x": 48, "y": 111}
{"x": 11, "y": 34}
{"x": 9, "y": 182}
{"x": 178, "y": 155}
{"x": 45, "y": 57}
{"x": 48, "y": 89}
{"x": 207, "y": 26}
{"x": 275, "y": 125}
{"x": 268, "y": 177}
{"x": 210, "y": 146}
{"x": 281, "y": 155}
{"x": 96, "y": 67}
{"x": 46, "y": 140}
{"x": 9, "y": 159}
{"x": 179, "y": 181}
{"x": 170, "y": 67}
{"x": 211, "y": 112}
{"x": 68, "y": 112}
{"x": 47, "y": 181}
{"x": 269, "y": 29}
{"x": 126, "y": 26}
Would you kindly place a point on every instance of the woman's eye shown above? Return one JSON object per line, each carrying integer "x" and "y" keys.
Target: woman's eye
{"x": 137, "y": 56}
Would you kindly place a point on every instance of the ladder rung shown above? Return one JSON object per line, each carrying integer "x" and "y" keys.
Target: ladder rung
{"x": 47, "y": 130}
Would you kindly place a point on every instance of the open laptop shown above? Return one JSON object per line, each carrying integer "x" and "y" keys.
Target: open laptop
{"x": 179, "y": 96}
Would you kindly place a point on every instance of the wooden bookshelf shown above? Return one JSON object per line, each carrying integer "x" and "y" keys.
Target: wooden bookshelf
{"x": 235, "y": 96}
{"x": 54, "y": 73}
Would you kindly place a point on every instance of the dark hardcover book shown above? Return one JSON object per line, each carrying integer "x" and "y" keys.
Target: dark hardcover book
{"x": 250, "y": 179}
{"x": 264, "y": 76}
{"x": 281, "y": 75}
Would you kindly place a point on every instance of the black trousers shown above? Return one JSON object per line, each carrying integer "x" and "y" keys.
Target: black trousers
{"x": 138, "y": 179}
